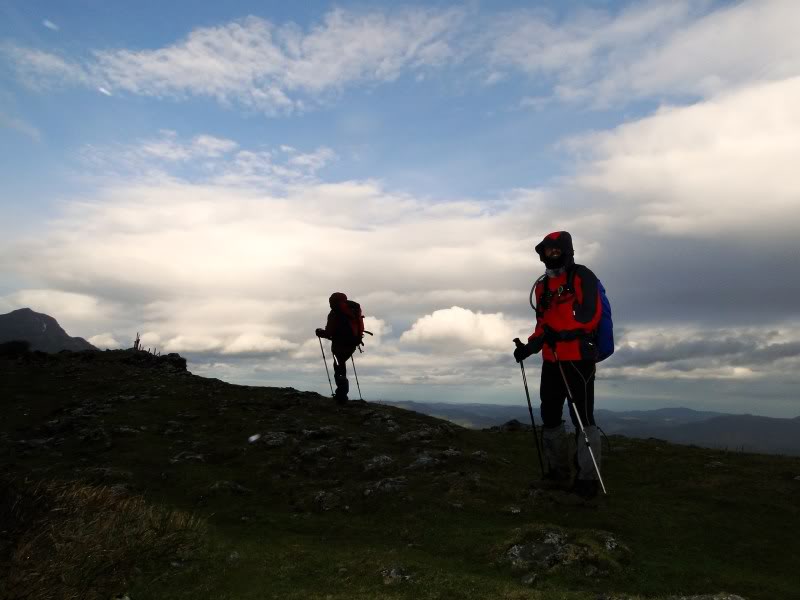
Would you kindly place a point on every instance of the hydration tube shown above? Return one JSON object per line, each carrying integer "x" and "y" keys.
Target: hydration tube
{"x": 533, "y": 291}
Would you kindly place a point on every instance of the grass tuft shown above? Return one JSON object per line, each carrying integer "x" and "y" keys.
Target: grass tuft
{"x": 70, "y": 540}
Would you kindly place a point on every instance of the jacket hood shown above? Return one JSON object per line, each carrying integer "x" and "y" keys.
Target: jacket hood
{"x": 338, "y": 300}
{"x": 561, "y": 240}
{"x": 558, "y": 239}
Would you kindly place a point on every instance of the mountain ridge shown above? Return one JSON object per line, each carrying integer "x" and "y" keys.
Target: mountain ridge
{"x": 40, "y": 330}
{"x": 744, "y": 432}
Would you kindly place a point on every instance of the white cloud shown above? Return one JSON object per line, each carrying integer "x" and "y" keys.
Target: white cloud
{"x": 460, "y": 329}
{"x": 70, "y": 309}
{"x": 150, "y": 339}
{"x": 645, "y": 50}
{"x": 698, "y": 353}
{"x": 104, "y": 91}
{"x": 718, "y": 168}
{"x": 193, "y": 343}
{"x": 263, "y": 66}
{"x": 653, "y": 49}
{"x": 20, "y": 126}
{"x": 256, "y": 343}
{"x": 169, "y": 148}
{"x": 745, "y": 42}
{"x": 216, "y": 160}
{"x": 50, "y": 25}
{"x": 45, "y": 70}
{"x": 584, "y": 45}
{"x": 104, "y": 341}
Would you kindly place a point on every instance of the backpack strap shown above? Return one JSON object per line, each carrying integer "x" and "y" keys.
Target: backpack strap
{"x": 570, "y": 287}
{"x": 547, "y": 295}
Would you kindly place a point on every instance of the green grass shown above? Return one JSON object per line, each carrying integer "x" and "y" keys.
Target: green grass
{"x": 690, "y": 528}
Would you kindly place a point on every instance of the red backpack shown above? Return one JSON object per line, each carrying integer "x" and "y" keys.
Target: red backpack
{"x": 355, "y": 321}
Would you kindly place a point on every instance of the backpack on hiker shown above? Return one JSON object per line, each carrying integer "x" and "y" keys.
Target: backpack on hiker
{"x": 605, "y": 329}
{"x": 604, "y": 334}
{"x": 355, "y": 322}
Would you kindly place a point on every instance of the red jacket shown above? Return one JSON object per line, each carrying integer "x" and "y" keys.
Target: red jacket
{"x": 571, "y": 316}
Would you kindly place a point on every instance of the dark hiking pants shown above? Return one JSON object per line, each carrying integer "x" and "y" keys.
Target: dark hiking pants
{"x": 341, "y": 354}
{"x": 553, "y": 393}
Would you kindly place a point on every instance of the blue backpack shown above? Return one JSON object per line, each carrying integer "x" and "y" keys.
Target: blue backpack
{"x": 605, "y": 330}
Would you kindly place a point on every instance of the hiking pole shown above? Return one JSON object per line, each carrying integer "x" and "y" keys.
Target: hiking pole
{"x": 530, "y": 410}
{"x": 580, "y": 423}
{"x": 325, "y": 360}
{"x": 356, "y": 374}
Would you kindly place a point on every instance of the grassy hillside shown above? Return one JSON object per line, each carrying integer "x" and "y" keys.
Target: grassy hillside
{"x": 123, "y": 474}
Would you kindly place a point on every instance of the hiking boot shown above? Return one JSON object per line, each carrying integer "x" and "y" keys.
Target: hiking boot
{"x": 340, "y": 400}
{"x": 553, "y": 480}
{"x": 586, "y": 488}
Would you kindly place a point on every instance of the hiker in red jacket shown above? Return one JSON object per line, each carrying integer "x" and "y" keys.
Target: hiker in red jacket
{"x": 344, "y": 341}
{"x": 568, "y": 312}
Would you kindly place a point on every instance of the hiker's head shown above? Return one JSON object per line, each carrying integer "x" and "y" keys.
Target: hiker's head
{"x": 555, "y": 250}
{"x": 337, "y": 299}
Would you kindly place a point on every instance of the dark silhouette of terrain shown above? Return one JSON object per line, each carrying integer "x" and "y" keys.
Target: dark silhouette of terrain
{"x": 124, "y": 475}
{"x": 41, "y": 331}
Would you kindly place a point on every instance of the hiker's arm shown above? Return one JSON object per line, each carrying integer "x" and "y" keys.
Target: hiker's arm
{"x": 538, "y": 332}
{"x": 587, "y": 306}
{"x": 330, "y": 327}
{"x": 536, "y": 339}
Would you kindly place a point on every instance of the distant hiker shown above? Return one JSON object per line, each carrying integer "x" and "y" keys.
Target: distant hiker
{"x": 345, "y": 329}
{"x": 573, "y": 331}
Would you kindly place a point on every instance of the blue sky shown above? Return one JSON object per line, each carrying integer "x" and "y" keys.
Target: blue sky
{"x": 208, "y": 174}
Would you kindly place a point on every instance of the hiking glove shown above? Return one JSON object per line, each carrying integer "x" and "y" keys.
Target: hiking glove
{"x": 320, "y": 332}
{"x": 524, "y": 351}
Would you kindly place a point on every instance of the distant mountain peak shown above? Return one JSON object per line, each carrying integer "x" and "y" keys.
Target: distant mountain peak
{"x": 41, "y": 330}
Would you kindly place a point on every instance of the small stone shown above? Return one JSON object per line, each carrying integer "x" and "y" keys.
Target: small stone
{"x": 395, "y": 575}
{"x": 187, "y": 457}
{"x": 529, "y": 579}
{"x": 233, "y": 557}
{"x": 377, "y": 463}
{"x": 512, "y": 510}
{"x": 230, "y": 486}
{"x": 388, "y": 485}
{"x": 424, "y": 461}
{"x": 273, "y": 439}
{"x": 553, "y": 538}
{"x": 326, "y": 431}
{"x": 325, "y": 501}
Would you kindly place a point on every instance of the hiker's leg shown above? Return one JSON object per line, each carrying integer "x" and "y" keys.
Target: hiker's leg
{"x": 580, "y": 375}
{"x": 554, "y": 437}
{"x": 340, "y": 376}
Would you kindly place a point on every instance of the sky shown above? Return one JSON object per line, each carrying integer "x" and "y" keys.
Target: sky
{"x": 207, "y": 174}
